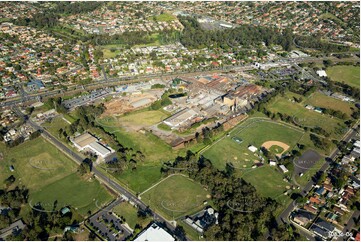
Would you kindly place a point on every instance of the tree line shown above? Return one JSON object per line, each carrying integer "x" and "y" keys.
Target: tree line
{"x": 238, "y": 220}
{"x": 195, "y": 36}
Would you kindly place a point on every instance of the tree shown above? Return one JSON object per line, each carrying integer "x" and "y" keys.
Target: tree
{"x": 10, "y": 180}
{"x": 180, "y": 232}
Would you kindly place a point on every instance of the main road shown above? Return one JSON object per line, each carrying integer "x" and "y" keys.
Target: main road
{"x": 99, "y": 175}
{"x": 127, "y": 80}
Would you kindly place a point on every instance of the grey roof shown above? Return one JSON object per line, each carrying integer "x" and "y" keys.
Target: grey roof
{"x": 319, "y": 231}
{"x": 16, "y": 226}
{"x": 325, "y": 225}
{"x": 99, "y": 148}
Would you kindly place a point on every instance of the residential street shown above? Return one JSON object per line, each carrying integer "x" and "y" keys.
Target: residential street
{"x": 286, "y": 213}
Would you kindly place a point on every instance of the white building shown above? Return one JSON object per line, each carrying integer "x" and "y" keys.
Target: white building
{"x": 154, "y": 233}
{"x": 321, "y": 73}
{"x": 180, "y": 118}
{"x": 283, "y": 168}
{"x": 252, "y": 148}
{"x": 88, "y": 142}
{"x": 272, "y": 163}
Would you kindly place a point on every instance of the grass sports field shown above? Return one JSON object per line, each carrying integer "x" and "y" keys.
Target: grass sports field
{"x": 234, "y": 148}
{"x": 306, "y": 117}
{"x": 176, "y": 196}
{"x": 321, "y": 100}
{"x": 268, "y": 182}
{"x": 51, "y": 176}
{"x": 347, "y": 74}
{"x": 164, "y": 17}
{"x": 149, "y": 176}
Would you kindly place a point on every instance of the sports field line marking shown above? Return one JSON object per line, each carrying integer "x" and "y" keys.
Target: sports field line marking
{"x": 256, "y": 120}
{"x": 156, "y": 184}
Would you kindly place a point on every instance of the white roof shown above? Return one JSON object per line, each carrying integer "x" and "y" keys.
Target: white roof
{"x": 252, "y": 148}
{"x": 99, "y": 148}
{"x": 154, "y": 233}
{"x": 180, "y": 117}
{"x": 284, "y": 169}
{"x": 321, "y": 73}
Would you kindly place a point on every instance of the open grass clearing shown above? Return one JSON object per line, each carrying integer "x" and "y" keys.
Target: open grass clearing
{"x": 176, "y": 196}
{"x": 129, "y": 213}
{"x": 268, "y": 182}
{"x": 55, "y": 125}
{"x": 72, "y": 190}
{"x": 308, "y": 118}
{"x": 155, "y": 149}
{"x": 347, "y": 74}
{"x": 323, "y": 101}
{"x": 154, "y": 41}
{"x": 51, "y": 176}
{"x": 164, "y": 17}
{"x": 146, "y": 118}
{"x": 140, "y": 179}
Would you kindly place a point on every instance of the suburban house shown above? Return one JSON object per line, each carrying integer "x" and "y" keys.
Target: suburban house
{"x": 14, "y": 229}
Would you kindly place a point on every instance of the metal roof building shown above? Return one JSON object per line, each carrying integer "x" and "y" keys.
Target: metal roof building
{"x": 154, "y": 233}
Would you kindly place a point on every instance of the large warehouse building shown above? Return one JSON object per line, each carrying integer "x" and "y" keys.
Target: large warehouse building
{"x": 180, "y": 118}
{"x": 87, "y": 141}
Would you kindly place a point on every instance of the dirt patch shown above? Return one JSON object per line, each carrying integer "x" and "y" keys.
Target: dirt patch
{"x": 269, "y": 144}
{"x": 233, "y": 122}
{"x": 129, "y": 103}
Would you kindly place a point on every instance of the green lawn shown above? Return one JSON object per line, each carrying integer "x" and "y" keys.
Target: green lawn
{"x": 129, "y": 212}
{"x": 146, "y": 118}
{"x": 164, "y": 17}
{"x": 50, "y": 176}
{"x": 82, "y": 194}
{"x": 252, "y": 132}
{"x": 154, "y": 149}
{"x": 306, "y": 140}
{"x": 111, "y": 51}
{"x": 306, "y": 117}
{"x": 192, "y": 234}
{"x": 55, "y": 125}
{"x": 323, "y": 101}
{"x": 154, "y": 41}
{"x": 268, "y": 182}
{"x": 107, "y": 53}
{"x": 332, "y": 17}
{"x": 176, "y": 196}
{"x": 141, "y": 178}
{"x": 347, "y": 74}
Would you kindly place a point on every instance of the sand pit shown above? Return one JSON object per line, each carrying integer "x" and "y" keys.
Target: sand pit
{"x": 269, "y": 144}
